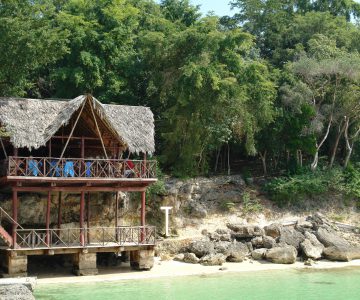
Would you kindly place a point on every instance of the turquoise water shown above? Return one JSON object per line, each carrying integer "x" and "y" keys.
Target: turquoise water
{"x": 290, "y": 284}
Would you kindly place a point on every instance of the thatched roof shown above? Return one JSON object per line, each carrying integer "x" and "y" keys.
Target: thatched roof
{"x": 30, "y": 123}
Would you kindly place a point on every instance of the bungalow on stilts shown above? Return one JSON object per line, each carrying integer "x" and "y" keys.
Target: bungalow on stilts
{"x": 82, "y": 147}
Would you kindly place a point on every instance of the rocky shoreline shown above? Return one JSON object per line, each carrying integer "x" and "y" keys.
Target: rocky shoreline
{"x": 310, "y": 239}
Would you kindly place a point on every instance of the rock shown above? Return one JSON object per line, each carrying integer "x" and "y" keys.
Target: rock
{"x": 213, "y": 259}
{"x": 201, "y": 248}
{"x": 214, "y": 236}
{"x": 15, "y": 292}
{"x": 245, "y": 231}
{"x": 179, "y": 257}
{"x": 257, "y": 242}
{"x": 310, "y": 250}
{"x": 309, "y": 262}
{"x": 222, "y": 231}
{"x": 221, "y": 247}
{"x": 237, "y": 252}
{"x": 291, "y": 237}
{"x": 329, "y": 238}
{"x": 258, "y": 254}
{"x": 342, "y": 253}
{"x": 223, "y": 269}
{"x": 303, "y": 225}
{"x": 273, "y": 230}
{"x": 269, "y": 242}
{"x": 196, "y": 209}
{"x": 319, "y": 220}
{"x": 282, "y": 255}
{"x": 190, "y": 258}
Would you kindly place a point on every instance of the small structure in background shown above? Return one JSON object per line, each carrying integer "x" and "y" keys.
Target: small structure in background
{"x": 167, "y": 211}
{"x": 76, "y": 146}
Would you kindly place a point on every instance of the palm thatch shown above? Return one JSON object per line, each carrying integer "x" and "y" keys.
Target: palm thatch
{"x": 31, "y": 123}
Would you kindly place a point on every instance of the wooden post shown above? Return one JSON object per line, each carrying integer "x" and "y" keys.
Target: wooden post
{"x": 50, "y": 148}
{"x": 14, "y": 216}
{"x": 116, "y": 215}
{"x": 82, "y": 206}
{"x": 142, "y": 235}
{"x": 143, "y": 208}
{"x": 82, "y": 165}
{"x": 88, "y": 217}
{"x": 48, "y": 218}
{"x": 59, "y": 211}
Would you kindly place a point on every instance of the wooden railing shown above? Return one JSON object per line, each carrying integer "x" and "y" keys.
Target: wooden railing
{"x": 93, "y": 237}
{"x": 78, "y": 167}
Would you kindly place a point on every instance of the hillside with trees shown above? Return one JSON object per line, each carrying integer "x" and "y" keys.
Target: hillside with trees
{"x": 277, "y": 84}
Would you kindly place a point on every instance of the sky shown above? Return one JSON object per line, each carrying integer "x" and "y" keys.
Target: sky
{"x": 220, "y": 7}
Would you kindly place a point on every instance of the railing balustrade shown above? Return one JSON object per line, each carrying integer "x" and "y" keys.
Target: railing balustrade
{"x": 77, "y": 167}
{"x": 93, "y": 237}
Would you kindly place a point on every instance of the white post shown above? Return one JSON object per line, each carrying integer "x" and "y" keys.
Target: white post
{"x": 166, "y": 210}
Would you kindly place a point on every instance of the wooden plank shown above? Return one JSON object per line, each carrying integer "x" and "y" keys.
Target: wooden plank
{"x": 14, "y": 216}
{"x": 79, "y": 189}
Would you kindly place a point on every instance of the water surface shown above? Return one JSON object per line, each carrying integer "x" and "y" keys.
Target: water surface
{"x": 343, "y": 284}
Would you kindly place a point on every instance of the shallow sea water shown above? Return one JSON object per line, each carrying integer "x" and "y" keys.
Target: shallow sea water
{"x": 342, "y": 284}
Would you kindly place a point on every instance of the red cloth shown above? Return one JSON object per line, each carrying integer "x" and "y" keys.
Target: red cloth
{"x": 130, "y": 164}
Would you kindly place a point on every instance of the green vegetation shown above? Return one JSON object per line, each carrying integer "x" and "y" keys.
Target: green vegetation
{"x": 279, "y": 81}
{"x": 293, "y": 189}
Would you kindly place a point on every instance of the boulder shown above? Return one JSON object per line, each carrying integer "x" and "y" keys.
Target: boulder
{"x": 310, "y": 250}
{"x": 215, "y": 236}
{"x": 15, "y": 292}
{"x": 342, "y": 253}
{"x": 291, "y": 237}
{"x": 190, "y": 258}
{"x": 257, "y": 242}
{"x": 269, "y": 242}
{"x": 237, "y": 252}
{"x": 245, "y": 231}
{"x": 179, "y": 257}
{"x": 258, "y": 254}
{"x": 222, "y": 231}
{"x": 221, "y": 247}
{"x": 201, "y": 248}
{"x": 213, "y": 259}
{"x": 282, "y": 255}
{"x": 329, "y": 238}
{"x": 273, "y": 230}
{"x": 319, "y": 220}
{"x": 196, "y": 209}
{"x": 303, "y": 225}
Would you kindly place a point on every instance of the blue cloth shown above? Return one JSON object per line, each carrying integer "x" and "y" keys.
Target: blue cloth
{"x": 88, "y": 169}
{"x": 55, "y": 170}
{"x": 34, "y": 167}
{"x": 69, "y": 169}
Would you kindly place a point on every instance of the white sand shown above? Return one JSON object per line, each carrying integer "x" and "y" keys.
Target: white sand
{"x": 173, "y": 268}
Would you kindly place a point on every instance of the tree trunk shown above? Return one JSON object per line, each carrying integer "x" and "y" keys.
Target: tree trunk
{"x": 336, "y": 144}
{"x": 315, "y": 161}
{"x": 263, "y": 160}
{"x": 228, "y": 161}
{"x": 217, "y": 159}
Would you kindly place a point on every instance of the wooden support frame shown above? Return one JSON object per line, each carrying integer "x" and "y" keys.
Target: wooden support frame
{"x": 14, "y": 215}
{"x": 82, "y": 207}
{"x": 59, "y": 210}
{"x": 48, "y": 217}
{"x": 88, "y": 217}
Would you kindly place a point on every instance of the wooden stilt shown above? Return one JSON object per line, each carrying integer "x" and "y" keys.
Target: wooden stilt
{"x": 142, "y": 216}
{"x": 117, "y": 215}
{"x": 48, "y": 218}
{"x": 88, "y": 217}
{"x": 143, "y": 208}
{"x": 59, "y": 211}
{"x": 82, "y": 206}
{"x": 14, "y": 216}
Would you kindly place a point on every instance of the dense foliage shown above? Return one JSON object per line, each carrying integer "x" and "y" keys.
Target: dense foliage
{"x": 278, "y": 81}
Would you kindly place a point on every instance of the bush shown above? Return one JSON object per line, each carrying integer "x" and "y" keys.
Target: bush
{"x": 295, "y": 188}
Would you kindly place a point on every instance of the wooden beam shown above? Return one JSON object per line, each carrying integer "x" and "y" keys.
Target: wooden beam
{"x": 48, "y": 218}
{"x": 88, "y": 217}
{"x": 75, "y": 189}
{"x": 117, "y": 214}
{"x": 59, "y": 211}
{"x": 81, "y": 221}
{"x": 14, "y": 216}
{"x": 143, "y": 200}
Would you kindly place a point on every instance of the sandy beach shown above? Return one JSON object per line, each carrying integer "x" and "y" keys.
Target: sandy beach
{"x": 174, "y": 268}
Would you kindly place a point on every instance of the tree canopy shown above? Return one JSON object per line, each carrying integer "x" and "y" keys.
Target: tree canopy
{"x": 279, "y": 80}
